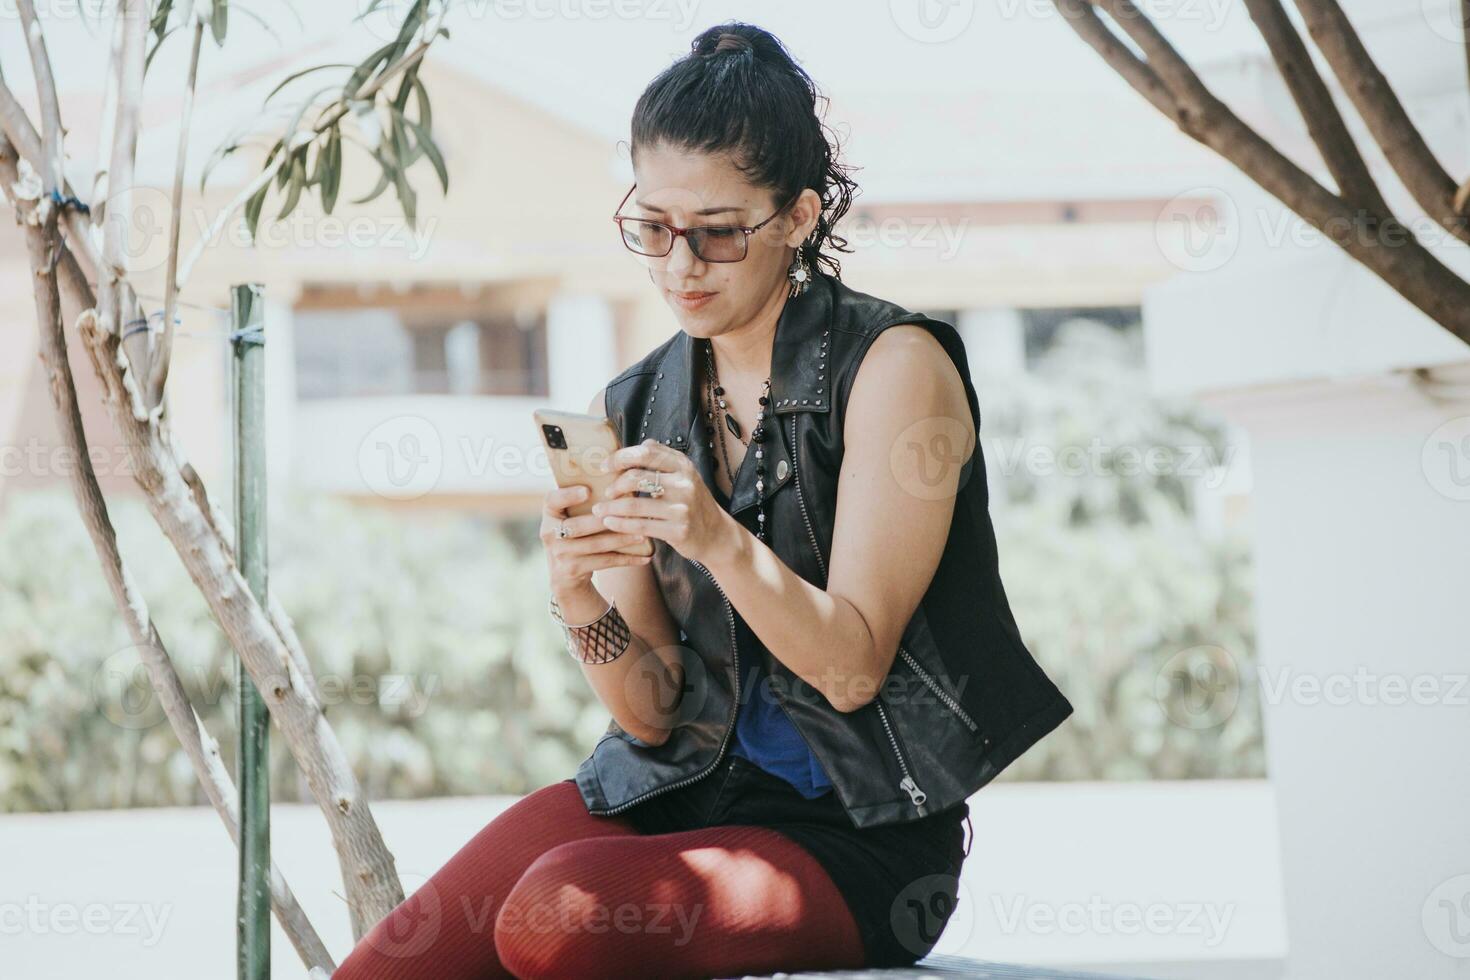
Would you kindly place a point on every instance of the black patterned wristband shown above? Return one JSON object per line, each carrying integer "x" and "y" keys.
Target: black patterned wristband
{"x": 604, "y": 639}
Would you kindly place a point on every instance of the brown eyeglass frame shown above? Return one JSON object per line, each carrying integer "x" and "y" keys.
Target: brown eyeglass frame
{"x": 676, "y": 231}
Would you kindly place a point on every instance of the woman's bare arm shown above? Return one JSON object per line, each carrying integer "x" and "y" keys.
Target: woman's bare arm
{"x": 895, "y": 502}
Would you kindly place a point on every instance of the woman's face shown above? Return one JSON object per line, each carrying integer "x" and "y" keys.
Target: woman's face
{"x": 689, "y": 188}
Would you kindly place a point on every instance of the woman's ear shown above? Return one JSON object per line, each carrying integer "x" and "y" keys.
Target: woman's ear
{"x": 805, "y": 213}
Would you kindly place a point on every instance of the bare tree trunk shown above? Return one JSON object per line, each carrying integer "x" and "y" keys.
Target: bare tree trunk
{"x": 43, "y": 245}
{"x": 369, "y": 875}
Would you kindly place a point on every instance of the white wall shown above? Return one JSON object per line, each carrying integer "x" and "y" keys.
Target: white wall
{"x": 1361, "y": 539}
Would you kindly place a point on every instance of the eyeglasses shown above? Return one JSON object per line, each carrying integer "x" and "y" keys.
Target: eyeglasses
{"x": 709, "y": 243}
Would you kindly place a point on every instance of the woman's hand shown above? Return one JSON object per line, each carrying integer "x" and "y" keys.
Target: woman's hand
{"x": 587, "y": 547}
{"x": 686, "y": 515}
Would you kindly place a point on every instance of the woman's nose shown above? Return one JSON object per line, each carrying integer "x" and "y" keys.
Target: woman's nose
{"x": 682, "y": 259}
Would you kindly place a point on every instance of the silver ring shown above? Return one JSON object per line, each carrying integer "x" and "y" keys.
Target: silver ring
{"x": 651, "y": 487}
{"x": 561, "y": 531}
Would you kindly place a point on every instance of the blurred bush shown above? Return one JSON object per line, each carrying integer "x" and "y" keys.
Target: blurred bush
{"x": 1134, "y": 598}
{"x": 440, "y": 670}
{"x": 442, "y": 673}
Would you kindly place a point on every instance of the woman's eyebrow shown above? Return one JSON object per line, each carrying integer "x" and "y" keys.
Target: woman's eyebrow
{"x": 704, "y": 211}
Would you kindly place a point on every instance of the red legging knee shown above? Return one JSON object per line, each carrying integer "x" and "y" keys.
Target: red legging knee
{"x": 548, "y": 890}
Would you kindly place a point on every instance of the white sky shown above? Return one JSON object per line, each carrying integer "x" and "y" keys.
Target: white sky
{"x": 587, "y": 60}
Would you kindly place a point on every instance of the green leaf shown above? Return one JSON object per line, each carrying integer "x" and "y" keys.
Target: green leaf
{"x": 412, "y": 21}
{"x": 405, "y": 87}
{"x": 148, "y": 59}
{"x": 298, "y": 74}
{"x": 252, "y": 209}
{"x": 431, "y": 150}
{"x": 421, "y": 93}
{"x": 406, "y": 197}
{"x": 332, "y": 176}
{"x": 218, "y": 18}
{"x": 403, "y": 150}
{"x": 160, "y": 17}
{"x": 360, "y": 74}
{"x": 384, "y": 179}
{"x": 219, "y": 154}
{"x": 298, "y": 181}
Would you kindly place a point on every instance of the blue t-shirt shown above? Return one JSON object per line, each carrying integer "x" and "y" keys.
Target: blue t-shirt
{"x": 765, "y": 735}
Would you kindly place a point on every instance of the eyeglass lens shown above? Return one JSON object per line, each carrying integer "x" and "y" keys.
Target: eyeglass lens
{"x": 713, "y": 243}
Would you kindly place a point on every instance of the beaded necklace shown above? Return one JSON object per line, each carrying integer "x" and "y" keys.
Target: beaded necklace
{"x": 716, "y": 402}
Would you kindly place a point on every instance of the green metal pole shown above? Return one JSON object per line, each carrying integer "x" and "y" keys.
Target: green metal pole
{"x": 252, "y": 759}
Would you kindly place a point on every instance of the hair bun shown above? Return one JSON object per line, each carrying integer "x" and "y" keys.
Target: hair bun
{"x": 731, "y": 42}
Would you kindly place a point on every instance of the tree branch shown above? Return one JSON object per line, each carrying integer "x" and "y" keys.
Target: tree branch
{"x": 1355, "y": 184}
{"x": 158, "y": 369}
{"x": 202, "y": 751}
{"x": 1387, "y": 248}
{"x": 1402, "y": 143}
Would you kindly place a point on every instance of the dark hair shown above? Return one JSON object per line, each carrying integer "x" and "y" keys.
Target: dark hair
{"x": 740, "y": 91}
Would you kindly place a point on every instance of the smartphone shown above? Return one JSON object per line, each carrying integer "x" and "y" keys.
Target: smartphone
{"x": 576, "y": 445}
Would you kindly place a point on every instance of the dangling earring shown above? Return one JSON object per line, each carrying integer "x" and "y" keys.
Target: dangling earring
{"x": 800, "y": 272}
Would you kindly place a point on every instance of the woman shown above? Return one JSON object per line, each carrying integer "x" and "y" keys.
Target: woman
{"x": 817, "y": 665}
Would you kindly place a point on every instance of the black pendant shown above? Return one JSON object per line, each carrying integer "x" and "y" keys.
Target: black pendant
{"x": 732, "y": 425}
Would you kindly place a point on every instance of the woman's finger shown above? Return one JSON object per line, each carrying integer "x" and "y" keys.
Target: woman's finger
{"x": 559, "y": 499}
{"x": 650, "y": 454}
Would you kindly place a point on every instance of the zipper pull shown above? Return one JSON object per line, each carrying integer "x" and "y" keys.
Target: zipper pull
{"x": 912, "y": 788}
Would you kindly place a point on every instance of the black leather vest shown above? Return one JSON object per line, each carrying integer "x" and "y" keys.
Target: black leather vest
{"x": 963, "y": 699}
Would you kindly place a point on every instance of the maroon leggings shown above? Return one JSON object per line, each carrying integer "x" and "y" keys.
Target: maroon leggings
{"x": 548, "y": 890}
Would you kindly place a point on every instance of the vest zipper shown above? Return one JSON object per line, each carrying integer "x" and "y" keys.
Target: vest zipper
{"x": 801, "y": 499}
{"x": 933, "y": 685}
{"x": 729, "y": 726}
{"x": 907, "y": 783}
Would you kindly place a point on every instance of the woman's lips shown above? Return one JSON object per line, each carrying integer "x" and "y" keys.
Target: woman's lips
{"x": 691, "y": 301}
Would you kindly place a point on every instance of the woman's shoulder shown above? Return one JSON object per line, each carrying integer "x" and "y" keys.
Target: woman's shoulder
{"x": 649, "y": 363}
{"x": 909, "y": 343}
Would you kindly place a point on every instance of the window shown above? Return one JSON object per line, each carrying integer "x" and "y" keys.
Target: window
{"x": 365, "y": 351}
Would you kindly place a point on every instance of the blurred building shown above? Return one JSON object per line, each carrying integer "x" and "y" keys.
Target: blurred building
{"x": 404, "y": 362}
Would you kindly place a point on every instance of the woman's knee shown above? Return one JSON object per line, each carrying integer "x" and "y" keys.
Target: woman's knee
{"x": 553, "y": 922}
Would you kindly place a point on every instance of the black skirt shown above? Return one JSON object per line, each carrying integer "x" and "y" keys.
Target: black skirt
{"x": 900, "y": 881}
